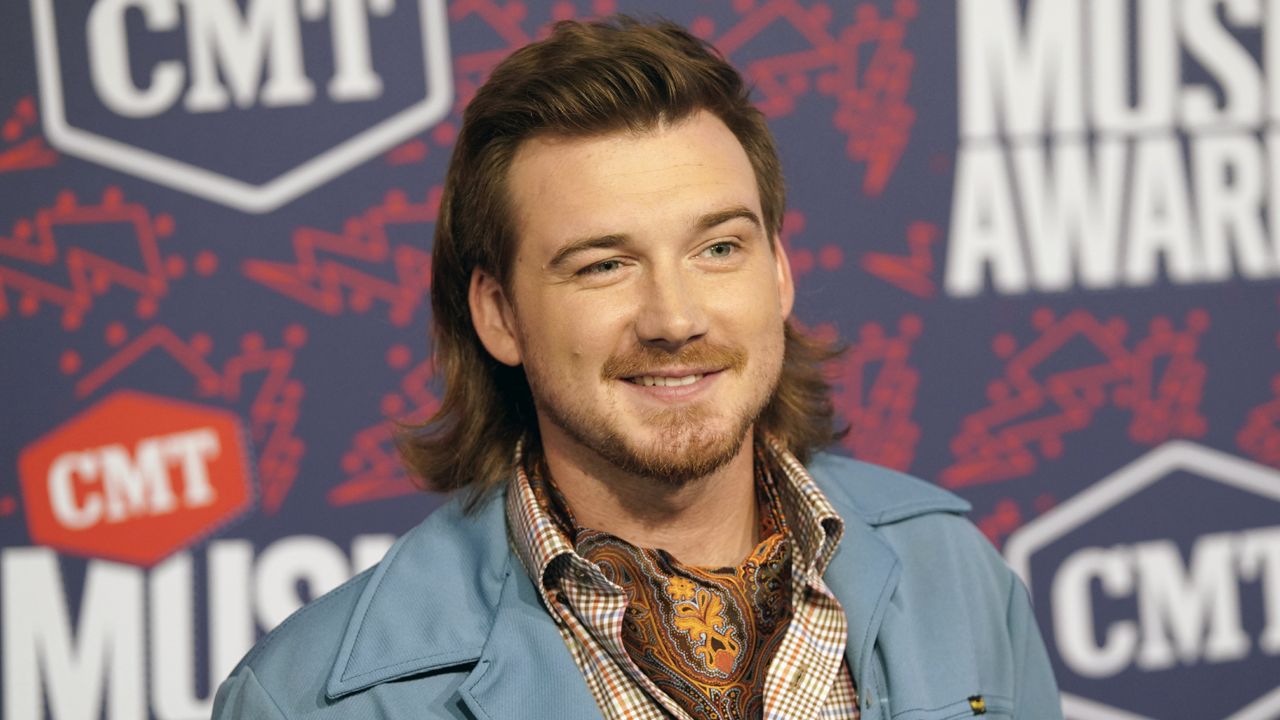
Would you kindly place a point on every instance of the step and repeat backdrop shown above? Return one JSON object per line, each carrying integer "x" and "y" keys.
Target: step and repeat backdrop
{"x": 1048, "y": 231}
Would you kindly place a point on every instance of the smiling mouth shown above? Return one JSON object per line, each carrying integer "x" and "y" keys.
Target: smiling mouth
{"x": 663, "y": 381}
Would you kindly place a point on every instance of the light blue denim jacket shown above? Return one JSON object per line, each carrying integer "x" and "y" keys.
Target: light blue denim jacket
{"x": 449, "y": 624}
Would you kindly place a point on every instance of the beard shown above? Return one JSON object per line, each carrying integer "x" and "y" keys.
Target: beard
{"x": 683, "y": 450}
{"x": 683, "y": 444}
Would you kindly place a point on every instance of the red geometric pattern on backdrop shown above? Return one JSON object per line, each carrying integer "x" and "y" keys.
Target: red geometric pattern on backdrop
{"x": 910, "y": 272}
{"x": 1259, "y": 437}
{"x": 871, "y": 99}
{"x": 272, "y": 411}
{"x": 330, "y": 271}
{"x": 1032, "y": 408}
{"x": 372, "y": 464}
{"x": 1008, "y": 515}
{"x": 20, "y": 149}
{"x": 42, "y": 268}
{"x": 805, "y": 260}
{"x": 874, "y": 390}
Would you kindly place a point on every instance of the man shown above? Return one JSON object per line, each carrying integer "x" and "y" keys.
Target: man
{"x": 626, "y": 419}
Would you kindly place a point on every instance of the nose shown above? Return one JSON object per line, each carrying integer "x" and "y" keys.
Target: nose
{"x": 671, "y": 314}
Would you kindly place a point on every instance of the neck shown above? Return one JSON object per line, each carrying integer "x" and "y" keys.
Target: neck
{"x": 710, "y": 521}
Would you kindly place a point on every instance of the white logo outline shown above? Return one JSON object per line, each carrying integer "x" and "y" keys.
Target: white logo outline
{"x": 215, "y": 187}
{"x": 1117, "y": 487}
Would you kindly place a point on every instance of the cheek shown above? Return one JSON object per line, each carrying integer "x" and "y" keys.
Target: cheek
{"x": 753, "y": 290}
{"x": 749, "y": 309}
{"x": 567, "y": 345}
{"x": 567, "y": 339}
{"x": 769, "y": 335}
{"x": 581, "y": 333}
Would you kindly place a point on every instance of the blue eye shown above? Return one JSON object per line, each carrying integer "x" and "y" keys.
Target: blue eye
{"x": 600, "y": 268}
{"x": 720, "y": 250}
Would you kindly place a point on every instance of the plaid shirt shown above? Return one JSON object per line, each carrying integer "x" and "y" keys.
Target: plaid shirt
{"x": 807, "y": 676}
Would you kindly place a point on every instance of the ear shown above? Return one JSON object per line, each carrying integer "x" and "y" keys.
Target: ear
{"x": 493, "y": 318}
{"x": 786, "y": 285}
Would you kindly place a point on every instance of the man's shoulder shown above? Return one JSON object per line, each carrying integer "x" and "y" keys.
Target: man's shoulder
{"x": 915, "y": 518}
{"x": 880, "y": 495}
{"x": 933, "y": 586}
{"x": 426, "y": 605}
{"x": 293, "y": 661}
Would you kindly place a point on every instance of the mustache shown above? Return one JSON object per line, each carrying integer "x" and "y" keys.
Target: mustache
{"x": 645, "y": 360}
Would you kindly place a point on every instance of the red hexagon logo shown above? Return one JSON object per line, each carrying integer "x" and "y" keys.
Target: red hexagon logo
{"x": 135, "y": 478}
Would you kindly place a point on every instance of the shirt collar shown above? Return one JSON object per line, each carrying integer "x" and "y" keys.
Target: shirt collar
{"x": 535, "y": 536}
{"x": 816, "y": 528}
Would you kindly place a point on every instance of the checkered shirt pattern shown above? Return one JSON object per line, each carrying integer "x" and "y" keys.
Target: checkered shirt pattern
{"x": 807, "y": 677}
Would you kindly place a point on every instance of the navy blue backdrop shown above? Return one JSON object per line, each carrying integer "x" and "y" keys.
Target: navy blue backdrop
{"x": 1047, "y": 230}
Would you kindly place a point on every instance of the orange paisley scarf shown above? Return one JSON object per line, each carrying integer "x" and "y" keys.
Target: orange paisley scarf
{"x": 703, "y": 636}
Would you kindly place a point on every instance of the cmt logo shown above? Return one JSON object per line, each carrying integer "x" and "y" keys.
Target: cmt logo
{"x": 135, "y": 478}
{"x": 1187, "y": 611}
{"x": 282, "y": 95}
{"x": 1158, "y": 582}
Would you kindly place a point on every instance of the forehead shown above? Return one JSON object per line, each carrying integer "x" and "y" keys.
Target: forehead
{"x": 627, "y": 182}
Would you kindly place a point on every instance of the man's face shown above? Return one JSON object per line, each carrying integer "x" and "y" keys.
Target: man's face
{"x": 647, "y": 300}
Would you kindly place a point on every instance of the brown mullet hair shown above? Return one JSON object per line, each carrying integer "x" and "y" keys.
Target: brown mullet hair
{"x": 585, "y": 79}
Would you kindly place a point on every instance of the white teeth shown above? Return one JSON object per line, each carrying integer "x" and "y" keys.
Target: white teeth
{"x": 655, "y": 381}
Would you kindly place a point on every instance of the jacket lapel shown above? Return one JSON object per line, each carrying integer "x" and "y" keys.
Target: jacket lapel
{"x": 451, "y": 593}
{"x": 525, "y": 670}
{"x": 428, "y": 605}
{"x": 862, "y": 575}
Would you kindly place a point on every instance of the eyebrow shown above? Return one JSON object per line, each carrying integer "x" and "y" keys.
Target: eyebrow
{"x": 579, "y": 246}
{"x": 605, "y": 242}
{"x": 738, "y": 212}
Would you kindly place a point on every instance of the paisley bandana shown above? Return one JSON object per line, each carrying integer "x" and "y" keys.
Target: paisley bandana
{"x": 703, "y": 636}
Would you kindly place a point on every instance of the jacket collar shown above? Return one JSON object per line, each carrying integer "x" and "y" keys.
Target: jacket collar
{"x": 864, "y": 572}
{"x": 422, "y": 610}
{"x": 862, "y": 575}
{"x": 525, "y": 670}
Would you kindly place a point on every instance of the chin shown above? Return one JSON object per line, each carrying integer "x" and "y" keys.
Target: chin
{"x": 678, "y": 457}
